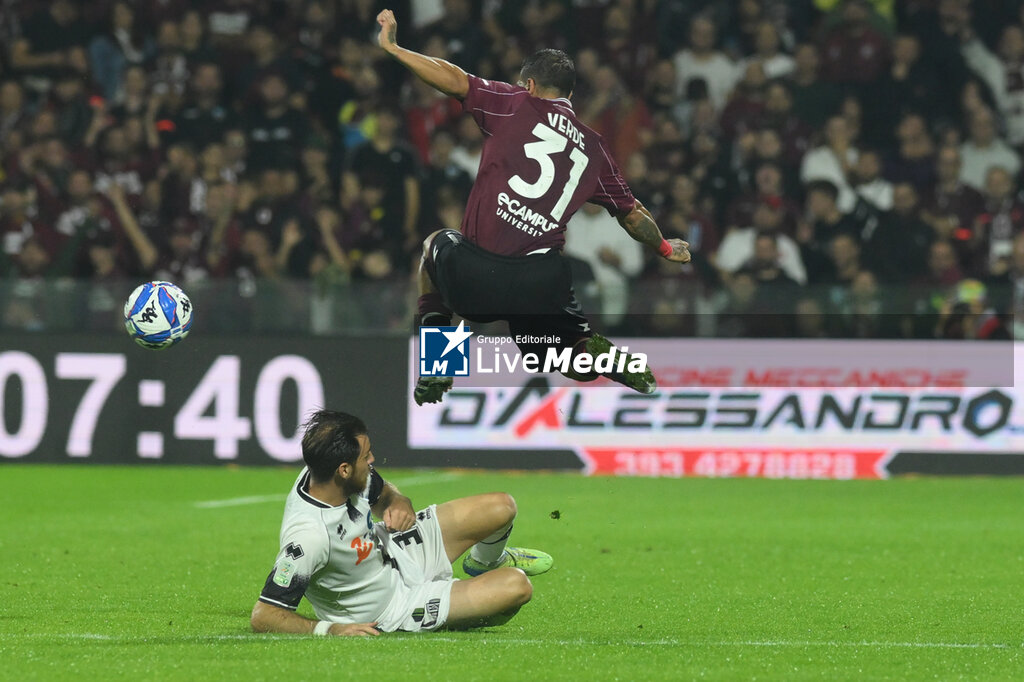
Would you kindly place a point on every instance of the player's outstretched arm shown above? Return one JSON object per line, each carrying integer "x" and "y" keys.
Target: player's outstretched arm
{"x": 437, "y": 73}
{"x": 640, "y": 225}
{"x": 269, "y": 618}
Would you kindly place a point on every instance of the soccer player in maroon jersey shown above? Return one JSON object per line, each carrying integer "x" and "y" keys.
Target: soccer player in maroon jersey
{"x": 538, "y": 166}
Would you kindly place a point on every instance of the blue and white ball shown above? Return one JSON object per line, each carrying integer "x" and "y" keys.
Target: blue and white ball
{"x": 158, "y": 315}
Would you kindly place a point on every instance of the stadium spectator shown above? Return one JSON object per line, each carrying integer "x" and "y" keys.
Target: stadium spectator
{"x": 444, "y": 184}
{"x": 632, "y": 58}
{"x": 824, "y": 222}
{"x": 1006, "y": 287}
{"x": 687, "y": 219}
{"x": 427, "y": 112}
{"x": 1004, "y": 76}
{"x": 468, "y": 146}
{"x": 814, "y": 100}
{"x": 701, "y": 61}
{"x": 617, "y": 115}
{"x": 19, "y": 219}
{"x": 896, "y": 249}
{"x": 844, "y": 254}
{"x": 660, "y": 93}
{"x": 739, "y": 246}
{"x": 968, "y": 315}
{"x": 996, "y": 227}
{"x": 168, "y": 68}
{"x": 854, "y": 52}
{"x": 13, "y": 109}
{"x": 275, "y": 130}
{"x": 372, "y": 231}
{"x": 909, "y": 85}
{"x": 597, "y": 238}
{"x": 865, "y": 312}
{"x": 229, "y": 19}
{"x": 393, "y": 168}
{"x": 913, "y": 160}
{"x": 736, "y": 313}
{"x": 832, "y": 160}
{"x": 194, "y": 44}
{"x": 318, "y": 184}
{"x": 951, "y": 206}
{"x": 745, "y": 107}
{"x": 809, "y": 319}
{"x": 765, "y": 265}
{"x": 868, "y": 183}
{"x": 205, "y": 118}
{"x": 266, "y": 57}
{"x": 460, "y": 30}
{"x": 767, "y": 51}
{"x": 983, "y": 149}
{"x": 768, "y": 188}
{"x": 52, "y": 39}
{"x": 779, "y": 116}
{"x": 123, "y": 44}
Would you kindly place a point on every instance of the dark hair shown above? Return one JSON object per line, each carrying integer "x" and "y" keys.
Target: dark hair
{"x": 550, "y": 69}
{"x": 330, "y": 441}
{"x": 825, "y": 186}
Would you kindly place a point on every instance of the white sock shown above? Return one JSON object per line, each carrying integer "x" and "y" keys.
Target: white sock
{"x": 489, "y": 550}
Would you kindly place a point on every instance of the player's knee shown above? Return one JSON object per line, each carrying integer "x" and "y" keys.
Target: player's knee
{"x": 430, "y": 240}
{"x": 520, "y": 588}
{"x": 516, "y": 588}
{"x": 505, "y": 507}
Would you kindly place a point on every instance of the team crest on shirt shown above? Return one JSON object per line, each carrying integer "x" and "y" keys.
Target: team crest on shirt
{"x": 362, "y": 549}
{"x": 284, "y": 572}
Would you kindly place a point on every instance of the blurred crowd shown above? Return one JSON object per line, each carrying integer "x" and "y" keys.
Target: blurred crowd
{"x": 840, "y": 168}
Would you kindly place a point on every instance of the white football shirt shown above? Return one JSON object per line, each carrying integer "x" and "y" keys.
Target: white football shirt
{"x": 334, "y": 556}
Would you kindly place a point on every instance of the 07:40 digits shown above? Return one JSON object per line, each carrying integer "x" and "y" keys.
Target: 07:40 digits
{"x": 211, "y": 411}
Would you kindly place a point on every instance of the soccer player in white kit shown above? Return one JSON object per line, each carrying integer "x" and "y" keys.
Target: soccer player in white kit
{"x": 362, "y": 577}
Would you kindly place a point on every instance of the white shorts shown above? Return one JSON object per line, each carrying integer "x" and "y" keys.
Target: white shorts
{"x": 423, "y": 598}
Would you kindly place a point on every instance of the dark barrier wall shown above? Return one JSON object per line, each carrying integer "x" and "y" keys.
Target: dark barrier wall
{"x": 102, "y": 398}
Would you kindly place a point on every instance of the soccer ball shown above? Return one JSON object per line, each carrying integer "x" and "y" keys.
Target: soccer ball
{"x": 158, "y": 315}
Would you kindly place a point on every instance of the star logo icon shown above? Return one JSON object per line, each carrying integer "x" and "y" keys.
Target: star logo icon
{"x": 455, "y": 337}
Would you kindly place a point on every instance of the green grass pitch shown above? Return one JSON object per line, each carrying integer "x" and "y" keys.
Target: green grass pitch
{"x": 149, "y": 573}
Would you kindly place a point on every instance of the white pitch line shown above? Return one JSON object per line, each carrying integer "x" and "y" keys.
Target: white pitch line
{"x": 532, "y": 642}
{"x": 278, "y": 497}
{"x": 239, "y": 501}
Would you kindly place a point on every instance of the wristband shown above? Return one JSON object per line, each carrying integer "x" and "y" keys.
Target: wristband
{"x": 665, "y": 249}
{"x": 321, "y": 628}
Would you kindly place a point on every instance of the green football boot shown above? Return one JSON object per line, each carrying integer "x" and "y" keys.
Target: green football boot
{"x": 531, "y": 561}
{"x": 431, "y": 389}
{"x": 641, "y": 382}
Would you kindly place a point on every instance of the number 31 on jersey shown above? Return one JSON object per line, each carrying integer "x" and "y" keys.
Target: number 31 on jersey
{"x": 550, "y": 142}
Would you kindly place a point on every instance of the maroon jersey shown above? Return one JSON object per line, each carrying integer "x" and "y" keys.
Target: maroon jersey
{"x": 539, "y": 164}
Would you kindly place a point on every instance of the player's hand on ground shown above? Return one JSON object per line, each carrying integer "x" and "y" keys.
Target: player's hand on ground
{"x": 354, "y": 630}
{"x": 399, "y": 516}
{"x": 388, "y": 30}
{"x": 680, "y": 251}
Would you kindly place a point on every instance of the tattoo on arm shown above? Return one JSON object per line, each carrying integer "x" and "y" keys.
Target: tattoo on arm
{"x": 642, "y": 228}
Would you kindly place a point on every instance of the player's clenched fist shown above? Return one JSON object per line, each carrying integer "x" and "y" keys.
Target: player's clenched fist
{"x": 680, "y": 251}
{"x": 388, "y": 29}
